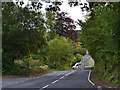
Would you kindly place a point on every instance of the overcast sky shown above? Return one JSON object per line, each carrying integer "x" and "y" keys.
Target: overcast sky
{"x": 74, "y": 12}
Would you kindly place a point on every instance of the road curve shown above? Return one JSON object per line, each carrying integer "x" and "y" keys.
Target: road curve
{"x": 58, "y": 79}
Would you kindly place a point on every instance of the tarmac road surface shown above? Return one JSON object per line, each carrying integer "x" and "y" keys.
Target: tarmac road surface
{"x": 72, "y": 79}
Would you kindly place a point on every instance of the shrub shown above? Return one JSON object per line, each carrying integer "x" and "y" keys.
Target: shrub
{"x": 79, "y": 56}
{"x": 45, "y": 67}
{"x": 60, "y": 52}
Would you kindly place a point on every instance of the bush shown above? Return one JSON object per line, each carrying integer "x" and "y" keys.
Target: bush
{"x": 60, "y": 52}
{"x": 18, "y": 69}
{"x": 74, "y": 61}
{"x": 45, "y": 67}
{"x": 80, "y": 49}
{"x": 79, "y": 56}
{"x": 35, "y": 71}
{"x": 100, "y": 38}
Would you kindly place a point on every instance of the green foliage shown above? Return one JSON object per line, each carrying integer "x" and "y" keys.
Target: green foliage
{"x": 79, "y": 48}
{"x": 22, "y": 33}
{"x": 91, "y": 62}
{"x": 60, "y": 53}
{"x": 50, "y": 25}
{"x": 100, "y": 36}
{"x": 111, "y": 77}
{"x": 117, "y": 82}
{"x": 45, "y": 67}
{"x": 79, "y": 56}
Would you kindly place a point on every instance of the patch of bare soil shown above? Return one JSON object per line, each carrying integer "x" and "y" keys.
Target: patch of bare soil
{"x": 102, "y": 83}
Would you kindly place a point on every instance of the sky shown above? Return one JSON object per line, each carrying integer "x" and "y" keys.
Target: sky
{"x": 74, "y": 12}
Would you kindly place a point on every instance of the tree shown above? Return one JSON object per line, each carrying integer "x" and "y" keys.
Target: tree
{"x": 60, "y": 54}
{"x": 66, "y": 26}
{"x": 50, "y": 24}
{"x": 22, "y": 33}
{"x": 100, "y": 37}
{"x": 54, "y": 7}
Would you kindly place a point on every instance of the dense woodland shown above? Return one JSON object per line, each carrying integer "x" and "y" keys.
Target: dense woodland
{"x": 33, "y": 41}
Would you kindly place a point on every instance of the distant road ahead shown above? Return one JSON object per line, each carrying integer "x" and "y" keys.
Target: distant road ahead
{"x": 58, "y": 79}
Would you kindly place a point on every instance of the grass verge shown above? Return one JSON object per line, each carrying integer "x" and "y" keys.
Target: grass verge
{"x": 101, "y": 82}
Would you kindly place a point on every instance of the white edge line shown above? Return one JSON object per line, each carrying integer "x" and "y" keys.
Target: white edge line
{"x": 99, "y": 87}
{"x": 89, "y": 78}
{"x": 55, "y": 81}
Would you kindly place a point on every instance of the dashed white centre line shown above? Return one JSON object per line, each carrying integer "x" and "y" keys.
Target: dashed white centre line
{"x": 69, "y": 73}
{"x": 66, "y": 75}
{"x": 44, "y": 87}
{"x": 62, "y": 77}
{"x": 55, "y": 81}
{"x": 72, "y": 71}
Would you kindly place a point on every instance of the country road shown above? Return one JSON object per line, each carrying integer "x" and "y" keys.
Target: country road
{"x": 58, "y": 79}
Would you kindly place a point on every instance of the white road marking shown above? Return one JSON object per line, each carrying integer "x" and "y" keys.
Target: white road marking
{"x": 70, "y": 73}
{"x": 55, "y": 81}
{"x": 73, "y": 71}
{"x": 99, "y": 88}
{"x": 62, "y": 77}
{"x": 66, "y": 75}
{"x": 89, "y": 78}
{"x": 44, "y": 87}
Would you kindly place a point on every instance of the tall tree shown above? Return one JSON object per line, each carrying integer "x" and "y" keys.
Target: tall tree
{"x": 22, "y": 33}
{"x": 66, "y": 26}
{"x": 100, "y": 37}
{"x": 50, "y": 24}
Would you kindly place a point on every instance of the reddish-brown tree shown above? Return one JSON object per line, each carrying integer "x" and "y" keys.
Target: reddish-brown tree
{"x": 66, "y": 26}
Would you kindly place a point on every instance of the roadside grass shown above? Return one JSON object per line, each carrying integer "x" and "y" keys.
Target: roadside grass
{"x": 66, "y": 68}
{"x": 34, "y": 72}
{"x": 36, "y": 68}
{"x": 54, "y": 69}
